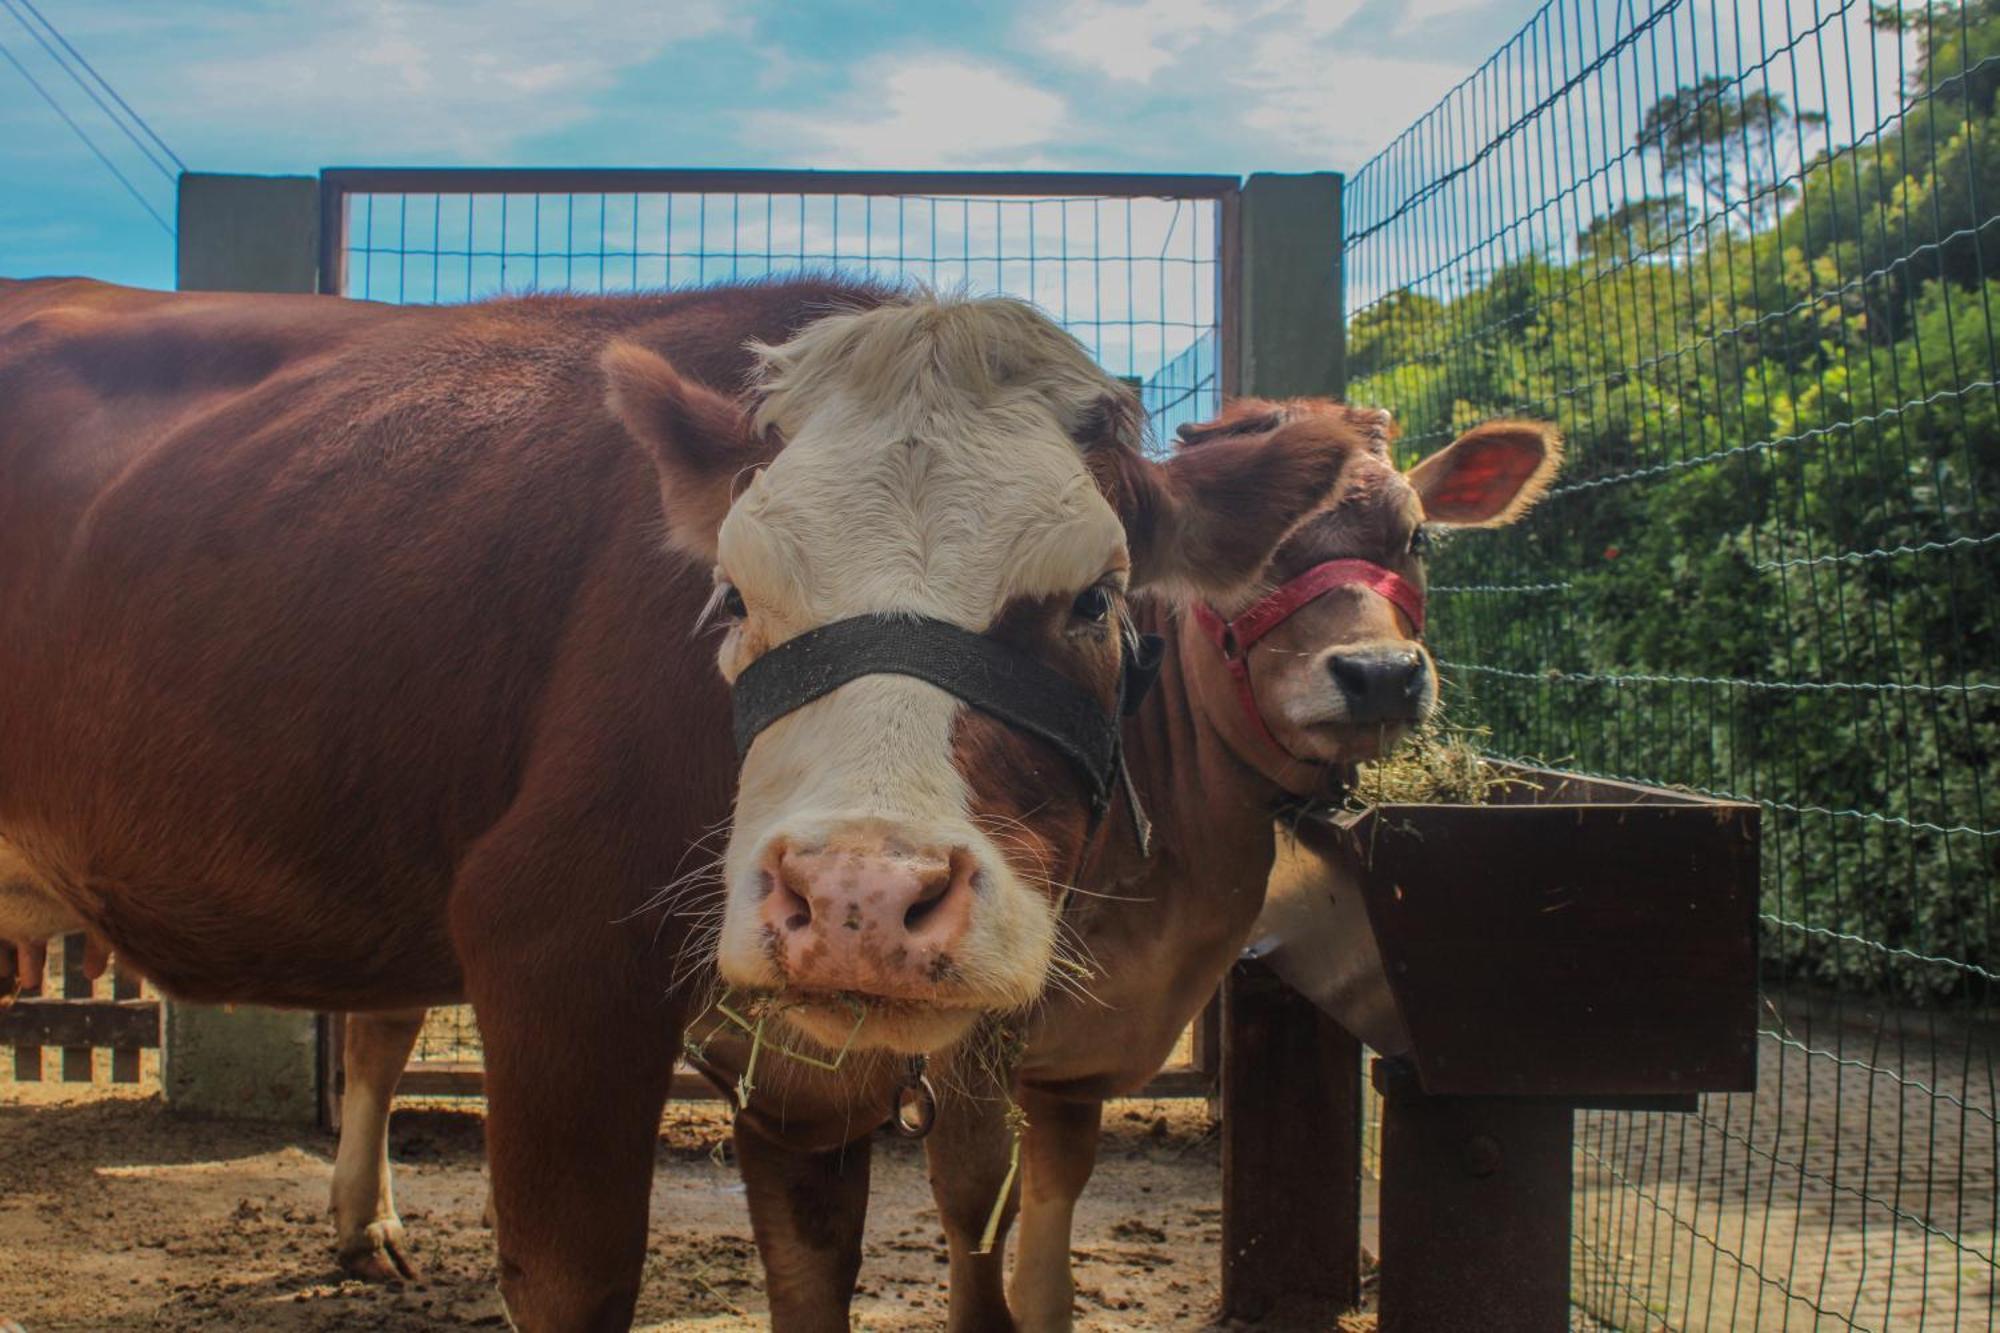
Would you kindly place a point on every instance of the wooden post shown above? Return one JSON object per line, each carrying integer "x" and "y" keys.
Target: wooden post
{"x": 245, "y": 234}
{"x": 1475, "y": 1210}
{"x": 1291, "y": 333}
{"x": 1291, "y": 1155}
{"x": 1291, "y": 1078}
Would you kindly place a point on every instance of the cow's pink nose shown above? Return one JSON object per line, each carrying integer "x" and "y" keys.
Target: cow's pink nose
{"x": 874, "y": 920}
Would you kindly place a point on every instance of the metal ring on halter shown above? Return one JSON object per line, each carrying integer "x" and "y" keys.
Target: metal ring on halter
{"x": 916, "y": 1103}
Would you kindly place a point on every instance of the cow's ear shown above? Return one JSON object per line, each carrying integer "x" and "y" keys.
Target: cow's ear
{"x": 1204, "y": 523}
{"x": 1489, "y": 476}
{"x": 701, "y": 442}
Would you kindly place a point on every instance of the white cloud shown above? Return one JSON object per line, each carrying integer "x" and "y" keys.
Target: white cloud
{"x": 1331, "y": 105}
{"x": 919, "y": 111}
{"x": 421, "y": 78}
{"x": 1322, "y": 18}
{"x": 1300, "y": 82}
{"x": 1418, "y": 13}
{"x": 1136, "y": 41}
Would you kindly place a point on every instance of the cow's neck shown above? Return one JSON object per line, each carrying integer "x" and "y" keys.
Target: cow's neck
{"x": 1163, "y": 926}
{"x": 1198, "y": 755}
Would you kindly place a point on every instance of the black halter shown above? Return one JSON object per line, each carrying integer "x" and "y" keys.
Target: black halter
{"x": 998, "y": 680}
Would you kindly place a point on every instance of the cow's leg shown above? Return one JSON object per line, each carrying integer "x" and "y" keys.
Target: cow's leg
{"x": 969, "y": 1151}
{"x": 580, "y": 1046}
{"x": 574, "y": 1092}
{"x": 368, "y": 1233}
{"x": 808, "y": 1210}
{"x": 1058, "y": 1152}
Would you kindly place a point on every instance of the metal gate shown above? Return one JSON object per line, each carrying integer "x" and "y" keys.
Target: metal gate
{"x": 1139, "y": 268}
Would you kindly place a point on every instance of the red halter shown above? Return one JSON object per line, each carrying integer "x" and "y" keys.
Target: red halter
{"x": 1234, "y": 638}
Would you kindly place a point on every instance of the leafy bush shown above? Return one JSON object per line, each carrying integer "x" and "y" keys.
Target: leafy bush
{"x": 1772, "y": 568}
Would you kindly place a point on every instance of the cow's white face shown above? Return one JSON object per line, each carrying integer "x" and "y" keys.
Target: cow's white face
{"x": 897, "y": 854}
{"x": 864, "y": 861}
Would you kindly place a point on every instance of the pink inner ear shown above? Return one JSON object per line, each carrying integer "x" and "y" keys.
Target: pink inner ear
{"x": 1486, "y": 482}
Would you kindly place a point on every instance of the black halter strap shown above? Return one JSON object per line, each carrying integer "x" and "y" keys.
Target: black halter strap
{"x": 998, "y": 680}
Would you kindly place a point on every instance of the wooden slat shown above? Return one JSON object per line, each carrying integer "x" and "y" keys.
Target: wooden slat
{"x": 332, "y": 1069}
{"x": 33, "y": 1023}
{"x": 124, "y": 1059}
{"x": 27, "y": 1055}
{"x": 1207, "y": 1037}
{"x": 465, "y": 1078}
{"x": 76, "y": 1060}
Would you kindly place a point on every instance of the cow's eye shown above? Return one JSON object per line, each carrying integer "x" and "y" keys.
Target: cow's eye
{"x": 731, "y": 602}
{"x": 1420, "y": 541}
{"x": 1093, "y": 604}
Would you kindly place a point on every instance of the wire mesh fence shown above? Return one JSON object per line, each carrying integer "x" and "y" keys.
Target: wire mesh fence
{"x": 1136, "y": 277}
{"x": 1130, "y": 266}
{"x": 1739, "y": 251}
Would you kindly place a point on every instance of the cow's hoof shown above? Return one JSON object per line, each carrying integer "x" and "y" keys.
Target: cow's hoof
{"x": 379, "y": 1254}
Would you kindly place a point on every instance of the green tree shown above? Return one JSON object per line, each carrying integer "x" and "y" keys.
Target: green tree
{"x": 1728, "y": 147}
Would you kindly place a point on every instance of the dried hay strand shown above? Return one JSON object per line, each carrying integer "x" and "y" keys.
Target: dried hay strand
{"x": 1437, "y": 764}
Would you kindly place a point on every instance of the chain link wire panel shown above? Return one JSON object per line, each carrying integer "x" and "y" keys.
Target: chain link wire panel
{"x": 1136, "y": 277}
{"x": 1745, "y": 255}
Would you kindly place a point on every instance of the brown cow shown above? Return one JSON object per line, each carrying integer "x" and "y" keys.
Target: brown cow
{"x": 1319, "y": 667}
{"x": 343, "y": 665}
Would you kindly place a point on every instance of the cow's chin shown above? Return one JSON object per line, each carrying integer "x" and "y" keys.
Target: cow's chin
{"x": 1344, "y": 742}
{"x": 871, "y": 1023}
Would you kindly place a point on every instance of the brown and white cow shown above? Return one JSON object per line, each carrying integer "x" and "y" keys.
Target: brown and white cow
{"x": 1267, "y": 695}
{"x": 345, "y": 663}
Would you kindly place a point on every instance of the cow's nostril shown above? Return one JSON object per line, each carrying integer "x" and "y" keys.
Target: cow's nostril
{"x": 782, "y": 904}
{"x": 1380, "y": 684}
{"x": 1413, "y": 684}
{"x": 1350, "y": 673}
{"x": 930, "y": 896}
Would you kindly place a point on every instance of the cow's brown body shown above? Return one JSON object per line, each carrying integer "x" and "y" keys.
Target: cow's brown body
{"x": 343, "y": 665}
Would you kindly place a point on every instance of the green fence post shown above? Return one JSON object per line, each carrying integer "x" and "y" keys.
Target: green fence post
{"x": 244, "y": 234}
{"x": 1291, "y": 1128}
{"x": 1291, "y": 338}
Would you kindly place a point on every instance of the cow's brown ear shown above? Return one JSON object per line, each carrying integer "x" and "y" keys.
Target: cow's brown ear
{"x": 1239, "y": 416}
{"x": 701, "y": 442}
{"x": 1489, "y": 476}
{"x": 1204, "y": 523}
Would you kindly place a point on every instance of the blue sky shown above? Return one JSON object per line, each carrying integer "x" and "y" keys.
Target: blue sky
{"x": 1121, "y": 85}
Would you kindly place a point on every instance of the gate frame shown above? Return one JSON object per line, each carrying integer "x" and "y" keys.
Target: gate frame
{"x": 336, "y": 183}
{"x": 1271, "y": 203}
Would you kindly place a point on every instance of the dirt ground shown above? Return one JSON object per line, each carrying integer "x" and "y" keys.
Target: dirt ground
{"x": 115, "y": 1215}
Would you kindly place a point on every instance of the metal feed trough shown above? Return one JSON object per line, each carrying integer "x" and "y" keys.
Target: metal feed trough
{"x": 1569, "y": 944}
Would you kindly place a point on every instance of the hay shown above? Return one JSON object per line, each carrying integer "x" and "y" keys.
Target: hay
{"x": 750, "y": 1016}
{"x": 1439, "y": 764}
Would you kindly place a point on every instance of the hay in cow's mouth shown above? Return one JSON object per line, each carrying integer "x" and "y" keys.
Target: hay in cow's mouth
{"x": 1437, "y": 764}
{"x": 749, "y": 1012}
